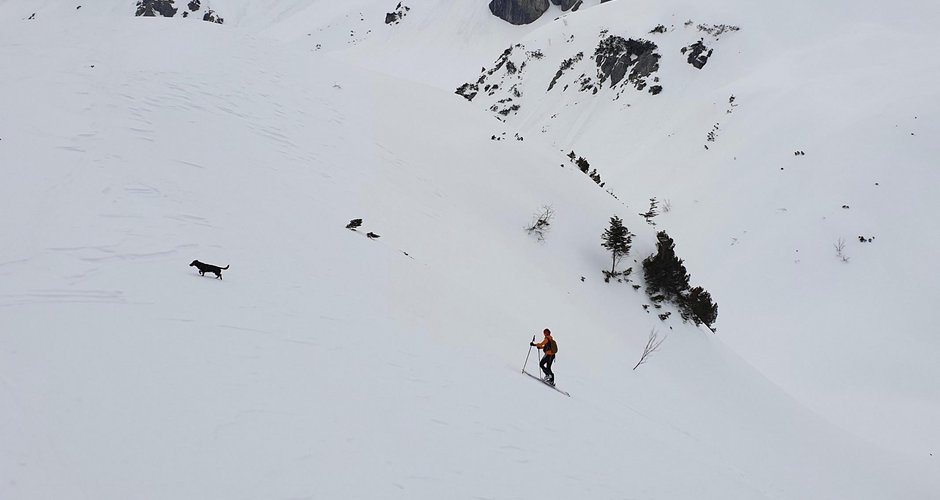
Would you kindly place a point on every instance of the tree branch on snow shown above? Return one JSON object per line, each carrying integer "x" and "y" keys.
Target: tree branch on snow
{"x": 652, "y": 345}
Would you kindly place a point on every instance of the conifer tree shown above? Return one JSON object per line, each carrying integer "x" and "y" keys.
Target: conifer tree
{"x": 664, "y": 271}
{"x": 699, "y": 303}
{"x": 616, "y": 239}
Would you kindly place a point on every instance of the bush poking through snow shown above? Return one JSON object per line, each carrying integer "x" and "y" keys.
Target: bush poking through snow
{"x": 840, "y": 250}
{"x": 541, "y": 222}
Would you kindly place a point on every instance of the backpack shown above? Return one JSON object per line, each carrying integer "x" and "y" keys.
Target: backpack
{"x": 553, "y": 346}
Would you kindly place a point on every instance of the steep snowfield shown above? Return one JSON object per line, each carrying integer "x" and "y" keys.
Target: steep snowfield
{"x": 851, "y": 85}
{"x": 328, "y": 365}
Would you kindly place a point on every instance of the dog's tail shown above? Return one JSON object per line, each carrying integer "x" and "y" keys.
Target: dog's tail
{"x": 226, "y": 267}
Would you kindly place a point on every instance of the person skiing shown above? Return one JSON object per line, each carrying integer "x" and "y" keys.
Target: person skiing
{"x": 549, "y": 347}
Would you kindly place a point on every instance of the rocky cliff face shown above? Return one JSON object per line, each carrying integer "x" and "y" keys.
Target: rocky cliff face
{"x": 617, "y": 58}
{"x": 519, "y": 11}
{"x": 568, "y": 4}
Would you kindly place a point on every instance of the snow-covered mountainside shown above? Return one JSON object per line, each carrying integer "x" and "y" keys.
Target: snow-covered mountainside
{"x": 777, "y": 136}
{"x": 327, "y": 364}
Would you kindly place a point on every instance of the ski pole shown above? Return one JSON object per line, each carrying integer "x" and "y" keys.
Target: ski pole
{"x": 527, "y": 355}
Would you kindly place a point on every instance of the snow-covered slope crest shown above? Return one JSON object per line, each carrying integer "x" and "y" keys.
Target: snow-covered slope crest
{"x": 327, "y": 364}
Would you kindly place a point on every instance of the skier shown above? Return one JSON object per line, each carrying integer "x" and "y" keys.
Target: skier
{"x": 549, "y": 347}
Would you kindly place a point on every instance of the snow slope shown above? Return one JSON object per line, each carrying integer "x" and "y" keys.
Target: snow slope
{"x": 850, "y": 86}
{"x": 326, "y": 364}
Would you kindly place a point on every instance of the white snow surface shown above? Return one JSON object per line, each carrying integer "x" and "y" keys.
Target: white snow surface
{"x": 328, "y": 365}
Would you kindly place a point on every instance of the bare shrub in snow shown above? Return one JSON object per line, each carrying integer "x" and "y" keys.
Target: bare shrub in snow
{"x": 840, "y": 250}
{"x": 652, "y": 345}
{"x": 541, "y": 222}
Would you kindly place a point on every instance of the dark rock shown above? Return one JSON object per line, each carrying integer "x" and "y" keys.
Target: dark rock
{"x": 568, "y": 4}
{"x": 565, "y": 66}
{"x": 518, "y": 11}
{"x": 397, "y": 15}
{"x": 468, "y": 91}
{"x": 152, "y": 8}
{"x": 210, "y": 16}
{"x": 698, "y": 54}
{"x": 194, "y": 5}
{"x": 616, "y": 56}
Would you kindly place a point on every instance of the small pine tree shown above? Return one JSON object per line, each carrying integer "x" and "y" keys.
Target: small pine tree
{"x": 664, "y": 271}
{"x": 616, "y": 239}
{"x": 652, "y": 212}
{"x": 699, "y": 303}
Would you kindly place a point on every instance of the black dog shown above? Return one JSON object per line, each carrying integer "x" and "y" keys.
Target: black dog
{"x": 208, "y": 268}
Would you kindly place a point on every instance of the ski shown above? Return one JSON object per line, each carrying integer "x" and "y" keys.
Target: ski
{"x": 546, "y": 383}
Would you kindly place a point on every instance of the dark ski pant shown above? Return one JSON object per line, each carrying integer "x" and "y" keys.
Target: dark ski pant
{"x": 546, "y": 365}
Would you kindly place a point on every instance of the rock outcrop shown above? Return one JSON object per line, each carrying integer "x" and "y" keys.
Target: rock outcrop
{"x": 519, "y": 11}
{"x": 397, "y": 15}
{"x": 567, "y": 5}
{"x": 616, "y": 56}
{"x": 153, "y": 8}
{"x": 698, "y": 54}
{"x": 165, "y": 8}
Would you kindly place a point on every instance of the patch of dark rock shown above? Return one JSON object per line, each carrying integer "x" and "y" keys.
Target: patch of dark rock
{"x": 502, "y": 59}
{"x": 698, "y": 54}
{"x": 565, "y": 66}
{"x": 566, "y": 5}
{"x": 658, "y": 29}
{"x": 152, "y": 8}
{"x": 716, "y": 30}
{"x": 194, "y": 5}
{"x": 518, "y": 12}
{"x": 618, "y": 58}
{"x": 397, "y": 15}
{"x": 468, "y": 91}
{"x": 212, "y": 17}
